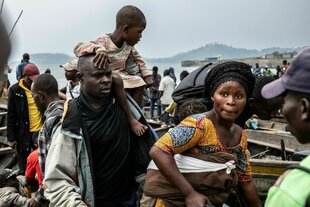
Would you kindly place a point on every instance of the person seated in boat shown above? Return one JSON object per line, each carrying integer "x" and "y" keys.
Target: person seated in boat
{"x": 118, "y": 48}
{"x": 211, "y": 134}
{"x": 292, "y": 188}
{"x": 33, "y": 172}
{"x": 11, "y": 191}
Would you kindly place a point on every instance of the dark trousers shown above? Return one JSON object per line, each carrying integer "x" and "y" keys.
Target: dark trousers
{"x": 152, "y": 106}
{"x": 131, "y": 202}
{"x": 23, "y": 153}
{"x": 166, "y": 114}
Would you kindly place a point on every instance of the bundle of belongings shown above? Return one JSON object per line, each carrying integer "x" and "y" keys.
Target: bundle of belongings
{"x": 213, "y": 175}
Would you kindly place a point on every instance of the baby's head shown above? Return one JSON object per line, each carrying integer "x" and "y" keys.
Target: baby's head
{"x": 228, "y": 87}
{"x": 191, "y": 107}
{"x": 131, "y": 21}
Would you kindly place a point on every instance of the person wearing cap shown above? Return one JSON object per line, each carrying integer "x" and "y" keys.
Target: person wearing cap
{"x": 11, "y": 193}
{"x": 20, "y": 68}
{"x": 24, "y": 118}
{"x": 293, "y": 187}
{"x": 72, "y": 90}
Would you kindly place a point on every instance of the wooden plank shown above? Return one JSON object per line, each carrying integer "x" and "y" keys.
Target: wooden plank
{"x": 2, "y": 129}
{"x": 4, "y": 113}
{"x": 274, "y": 137}
{"x": 5, "y": 150}
{"x": 271, "y": 145}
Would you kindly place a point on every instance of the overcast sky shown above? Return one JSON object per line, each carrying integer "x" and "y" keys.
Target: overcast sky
{"x": 173, "y": 26}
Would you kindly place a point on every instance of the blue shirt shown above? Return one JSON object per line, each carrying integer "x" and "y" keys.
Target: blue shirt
{"x": 20, "y": 68}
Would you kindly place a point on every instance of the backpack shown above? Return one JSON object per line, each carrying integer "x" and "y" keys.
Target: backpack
{"x": 192, "y": 86}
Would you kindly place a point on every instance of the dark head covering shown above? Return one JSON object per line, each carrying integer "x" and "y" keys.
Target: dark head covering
{"x": 229, "y": 71}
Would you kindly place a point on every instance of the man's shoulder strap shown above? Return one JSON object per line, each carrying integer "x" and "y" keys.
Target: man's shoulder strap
{"x": 71, "y": 118}
{"x": 302, "y": 168}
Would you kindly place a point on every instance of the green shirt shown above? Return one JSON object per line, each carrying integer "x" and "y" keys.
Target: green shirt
{"x": 291, "y": 189}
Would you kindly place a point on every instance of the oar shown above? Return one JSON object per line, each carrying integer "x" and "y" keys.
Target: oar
{"x": 15, "y": 23}
{"x": 1, "y": 7}
{"x": 283, "y": 151}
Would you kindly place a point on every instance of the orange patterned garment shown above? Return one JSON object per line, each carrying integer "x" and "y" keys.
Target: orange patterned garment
{"x": 197, "y": 134}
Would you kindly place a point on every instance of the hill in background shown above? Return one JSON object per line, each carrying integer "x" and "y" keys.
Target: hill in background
{"x": 209, "y": 50}
{"x": 227, "y": 52}
{"x": 49, "y": 58}
{"x": 46, "y": 59}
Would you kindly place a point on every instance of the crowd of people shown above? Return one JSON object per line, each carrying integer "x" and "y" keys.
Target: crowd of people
{"x": 78, "y": 141}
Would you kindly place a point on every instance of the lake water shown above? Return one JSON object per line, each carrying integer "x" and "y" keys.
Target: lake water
{"x": 58, "y": 72}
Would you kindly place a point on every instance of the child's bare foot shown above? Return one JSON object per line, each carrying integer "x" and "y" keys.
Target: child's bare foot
{"x": 137, "y": 127}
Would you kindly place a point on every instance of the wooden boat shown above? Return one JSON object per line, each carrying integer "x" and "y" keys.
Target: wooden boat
{"x": 7, "y": 154}
{"x": 272, "y": 151}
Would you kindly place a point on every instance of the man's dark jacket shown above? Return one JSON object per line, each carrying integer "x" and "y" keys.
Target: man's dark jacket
{"x": 18, "y": 118}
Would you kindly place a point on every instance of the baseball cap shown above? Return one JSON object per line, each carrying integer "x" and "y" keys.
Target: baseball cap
{"x": 70, "y": 65}
{"x": 296, "y": 78}
{"x": 5, "y": 174}
{"x": 31, "y": 71}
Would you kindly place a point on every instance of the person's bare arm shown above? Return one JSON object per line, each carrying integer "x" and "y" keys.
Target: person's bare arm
{"x": 167, "y": 166}
{"x": 148, "y": 80}
{"x": 249, "y": 193}
{"x": 119, "y": 92}
{"x": 62, "y": 96}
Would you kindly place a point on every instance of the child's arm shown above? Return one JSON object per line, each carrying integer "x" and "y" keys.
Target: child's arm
{"x": 146, "y": 73}
{"x": 97, "y": 46}
{"x": 148, "y": 80}
{"x": 118, "y": 90}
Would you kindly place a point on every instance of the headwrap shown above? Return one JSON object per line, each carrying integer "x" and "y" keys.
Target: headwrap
{"x": 229, "y": 71}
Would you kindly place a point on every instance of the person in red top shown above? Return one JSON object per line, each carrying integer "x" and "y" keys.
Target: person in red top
{"x": 33, "y": 167}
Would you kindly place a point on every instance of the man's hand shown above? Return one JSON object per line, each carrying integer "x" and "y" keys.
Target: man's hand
{"x": 148, "y": 80}
{"x": 33, "y": 203}
{"x": 13, "y": 144}
{"x": 101, "y": 59}
{"x": 196, "y": 199}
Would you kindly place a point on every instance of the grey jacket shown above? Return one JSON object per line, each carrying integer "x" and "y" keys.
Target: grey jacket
{"x": 10, "y": 197}
{"x": 68, "y": 176}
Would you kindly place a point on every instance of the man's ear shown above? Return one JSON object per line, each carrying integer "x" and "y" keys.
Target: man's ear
{"x": 41, "y": 95}
{"x": 79, "y": 75}
{"x": 305, "y": 109}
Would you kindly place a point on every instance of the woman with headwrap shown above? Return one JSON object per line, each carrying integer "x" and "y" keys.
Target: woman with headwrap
{"x": 212, "y": 137}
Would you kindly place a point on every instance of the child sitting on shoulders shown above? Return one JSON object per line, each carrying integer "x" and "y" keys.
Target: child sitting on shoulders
{"x": 118, "y": 49}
